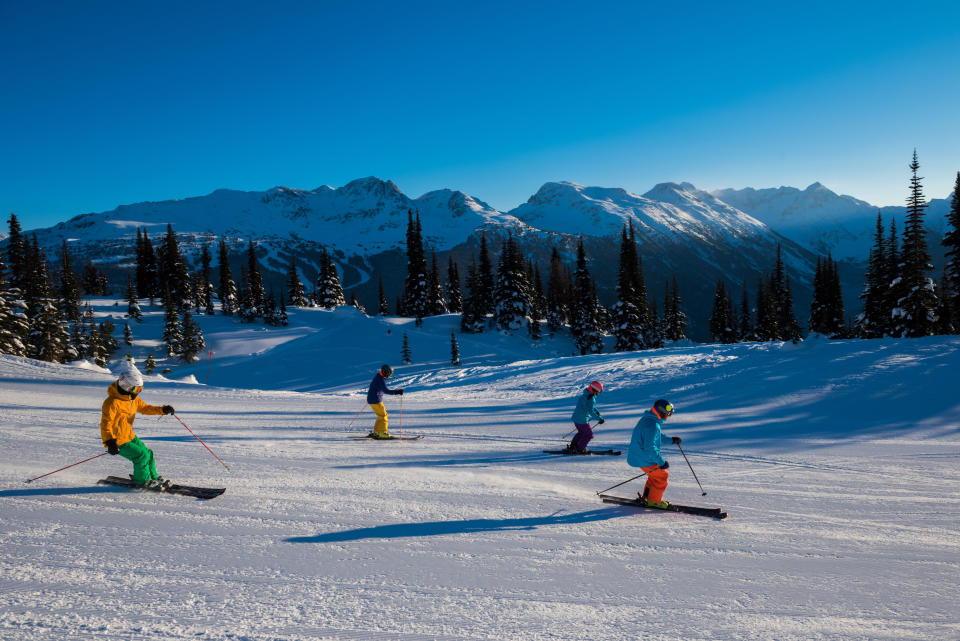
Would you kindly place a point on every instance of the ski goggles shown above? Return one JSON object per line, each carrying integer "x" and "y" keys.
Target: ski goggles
{"x": 137, "y": 389}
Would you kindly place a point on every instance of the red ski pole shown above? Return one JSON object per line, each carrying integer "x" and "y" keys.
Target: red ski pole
{"x": 201, "y": 442}
{"x": 65, "y": 468}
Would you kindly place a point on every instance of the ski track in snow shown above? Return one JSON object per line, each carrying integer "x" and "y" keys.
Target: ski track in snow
{"x": 843, "y": 507}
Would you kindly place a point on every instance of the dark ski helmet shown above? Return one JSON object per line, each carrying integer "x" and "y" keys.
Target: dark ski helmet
{"x": 386, "y": 370}
{"x": 663, "y": 408}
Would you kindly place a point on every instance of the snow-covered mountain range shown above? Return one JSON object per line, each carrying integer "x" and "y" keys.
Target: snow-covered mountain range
{"x": 697, "y": 236}
{"x": 824, "y": 221}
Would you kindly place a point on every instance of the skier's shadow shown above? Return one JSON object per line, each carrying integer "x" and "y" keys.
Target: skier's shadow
{"x": 466, "y": 526}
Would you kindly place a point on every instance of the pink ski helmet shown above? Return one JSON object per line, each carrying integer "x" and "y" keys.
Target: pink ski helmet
{"x": 596, "y": 387}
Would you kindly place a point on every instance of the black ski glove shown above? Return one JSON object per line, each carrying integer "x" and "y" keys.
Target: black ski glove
{"x": 676, "y": 440}
{"x": 168, "y": 409}
{"x": 665, "y": 465}
{"x": 112, "y": 447}
{"x": 601, "y": 421}
{"x": 400, "y": 392}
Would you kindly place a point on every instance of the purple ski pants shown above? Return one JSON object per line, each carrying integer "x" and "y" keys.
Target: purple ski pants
{"x": 584, "y": 434}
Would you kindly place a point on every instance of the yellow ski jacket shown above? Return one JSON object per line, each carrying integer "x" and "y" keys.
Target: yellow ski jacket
{"x": 118, "y": 413}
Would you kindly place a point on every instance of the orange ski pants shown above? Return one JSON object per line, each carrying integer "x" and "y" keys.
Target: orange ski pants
{"x": 656, "y": 483}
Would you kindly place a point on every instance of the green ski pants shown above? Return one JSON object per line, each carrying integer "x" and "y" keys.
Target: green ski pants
{"x": 141, "y": 456}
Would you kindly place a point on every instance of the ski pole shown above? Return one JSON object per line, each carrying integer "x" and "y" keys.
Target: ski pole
{"x": 201, "y": 442}
{"x": 65, "y": 468}
{"x": 619, "y": 484}
{"x": 357, "y": 416}
{"x": 691, "y": 470}
{"x": 400, "y": 419}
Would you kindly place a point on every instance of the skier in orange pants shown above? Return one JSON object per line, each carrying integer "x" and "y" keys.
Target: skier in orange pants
{"x": 644, "y": 452}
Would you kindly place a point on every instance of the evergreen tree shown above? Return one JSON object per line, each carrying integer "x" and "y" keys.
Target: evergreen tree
{"x": 471, "y": 320}
{"x": 107, "y": 343}
{"x": 558, "y": 294}
{"x": 767, "y": 328}
{"x": 69, "y": 286}
{"x": 654, "y": 334}
{"x": 298, "y": 295}
{"x": 722, "y": 327}
{"x": 674, "y": 319}
{"x": 282, "y": 319}
{"x": 951, "y": 240}
{"x": 405, "y": 354}
{"x": 206, "y": 296}
{"x": 127, "y": 335}
{"x": 786, "y": 321}
{"x": 95, "y": 282}
{"x": 894, "y": 285}
{"x": 746, "y": 331}
{"x": 48, "y": 339}
{"x": 14, "y": 327}
{"x": 151, "y": 271}
{"x": 627, "y": 325}
{"x": 383, "y": 307}
{"x": 873, "y": 320}
{"x": 270, "y": 310}
{"x": 150, "y": 365}
{"x": 946, "y": 315}
{"x": 483, "y": 300}
{"x": 415, "y": 287}
{"x": 253, "y": 288}
{"x": 330, "y": 292}
{"x": 585, "y": 324}
{"x": 454, "y": 293}
{"x": 133, "y": 305}
{"x": 17, "y": 250}
{"x": 228, "y": 289}
{"x": 919, "y": 300}
{"x": 355, "y": 302}
{"x": 84, "y": 335}
{"x": 454, "y": 350}
{"x": 192, "y": 342}
{"x": 436, "y": 305}
{"x": 511, "y": 293}
{"x": 172, "y": 332}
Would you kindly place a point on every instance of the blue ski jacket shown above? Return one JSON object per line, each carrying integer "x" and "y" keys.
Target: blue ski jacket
{"x": 378, "y": 387}
{"x": 586, "y": 409}
{"x": 645, "y": 441}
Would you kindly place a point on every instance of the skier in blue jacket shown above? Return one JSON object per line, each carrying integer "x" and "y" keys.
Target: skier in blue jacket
{"x": 378, "y": 387}
{"x": 644, "y": 452}
{"x": 585, "y": 411}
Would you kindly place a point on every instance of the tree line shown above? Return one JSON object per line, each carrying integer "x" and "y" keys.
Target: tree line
{"x": 42, "y": 313}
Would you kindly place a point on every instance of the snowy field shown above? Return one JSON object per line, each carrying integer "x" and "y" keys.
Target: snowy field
{"x": 838, "y": 463}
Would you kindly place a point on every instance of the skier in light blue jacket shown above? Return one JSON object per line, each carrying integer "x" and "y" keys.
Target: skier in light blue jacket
{"x": 585, "y": 411}
{"x": 644, "y": 452}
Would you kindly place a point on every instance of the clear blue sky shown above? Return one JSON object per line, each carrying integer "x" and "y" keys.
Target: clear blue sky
{"x": 108, "y": 103}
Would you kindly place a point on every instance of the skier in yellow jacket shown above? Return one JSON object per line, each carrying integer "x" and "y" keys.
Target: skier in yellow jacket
{"x": 116, "y": 427}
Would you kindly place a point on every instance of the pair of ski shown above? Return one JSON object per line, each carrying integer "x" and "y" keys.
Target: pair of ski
{"x": 389, "y": 438}
{"x": 184, "y": 490}
{"x": 712, "y": 512}
{"x": 570, "y": 452}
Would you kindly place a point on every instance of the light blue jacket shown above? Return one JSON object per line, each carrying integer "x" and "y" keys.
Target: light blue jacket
{"x": 645, "y": 442}
{"x": 586, "y": 408}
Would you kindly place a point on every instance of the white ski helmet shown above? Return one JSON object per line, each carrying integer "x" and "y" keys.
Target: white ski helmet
{"x": 129, "y": 378}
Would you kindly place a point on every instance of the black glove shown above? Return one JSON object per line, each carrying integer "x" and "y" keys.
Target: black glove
{"x": 665, "y": 465}
{"x": 112, "y": 447}
{"x": 400, "y": 392}
{"x": 168, "y": 409}
{"x": 676, "y": 440}
{"x": 601, "y": 421}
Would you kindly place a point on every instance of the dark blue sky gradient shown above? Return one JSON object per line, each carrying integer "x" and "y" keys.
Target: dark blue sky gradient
{"x": 109, "y": 103}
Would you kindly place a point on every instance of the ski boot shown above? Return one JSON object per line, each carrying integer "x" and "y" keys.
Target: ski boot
{"x": 376, "y": 435}
{"x": 164, "y": 484}
{"x": 152, "y": 484}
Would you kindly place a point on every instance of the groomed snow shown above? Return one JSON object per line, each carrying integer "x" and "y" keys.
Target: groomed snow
{"x": 837, "y": 462}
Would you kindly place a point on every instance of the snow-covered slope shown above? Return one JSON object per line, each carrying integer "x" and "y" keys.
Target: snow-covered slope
{"x": 837, "y": 462}
{"x": 824, "y": 221}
